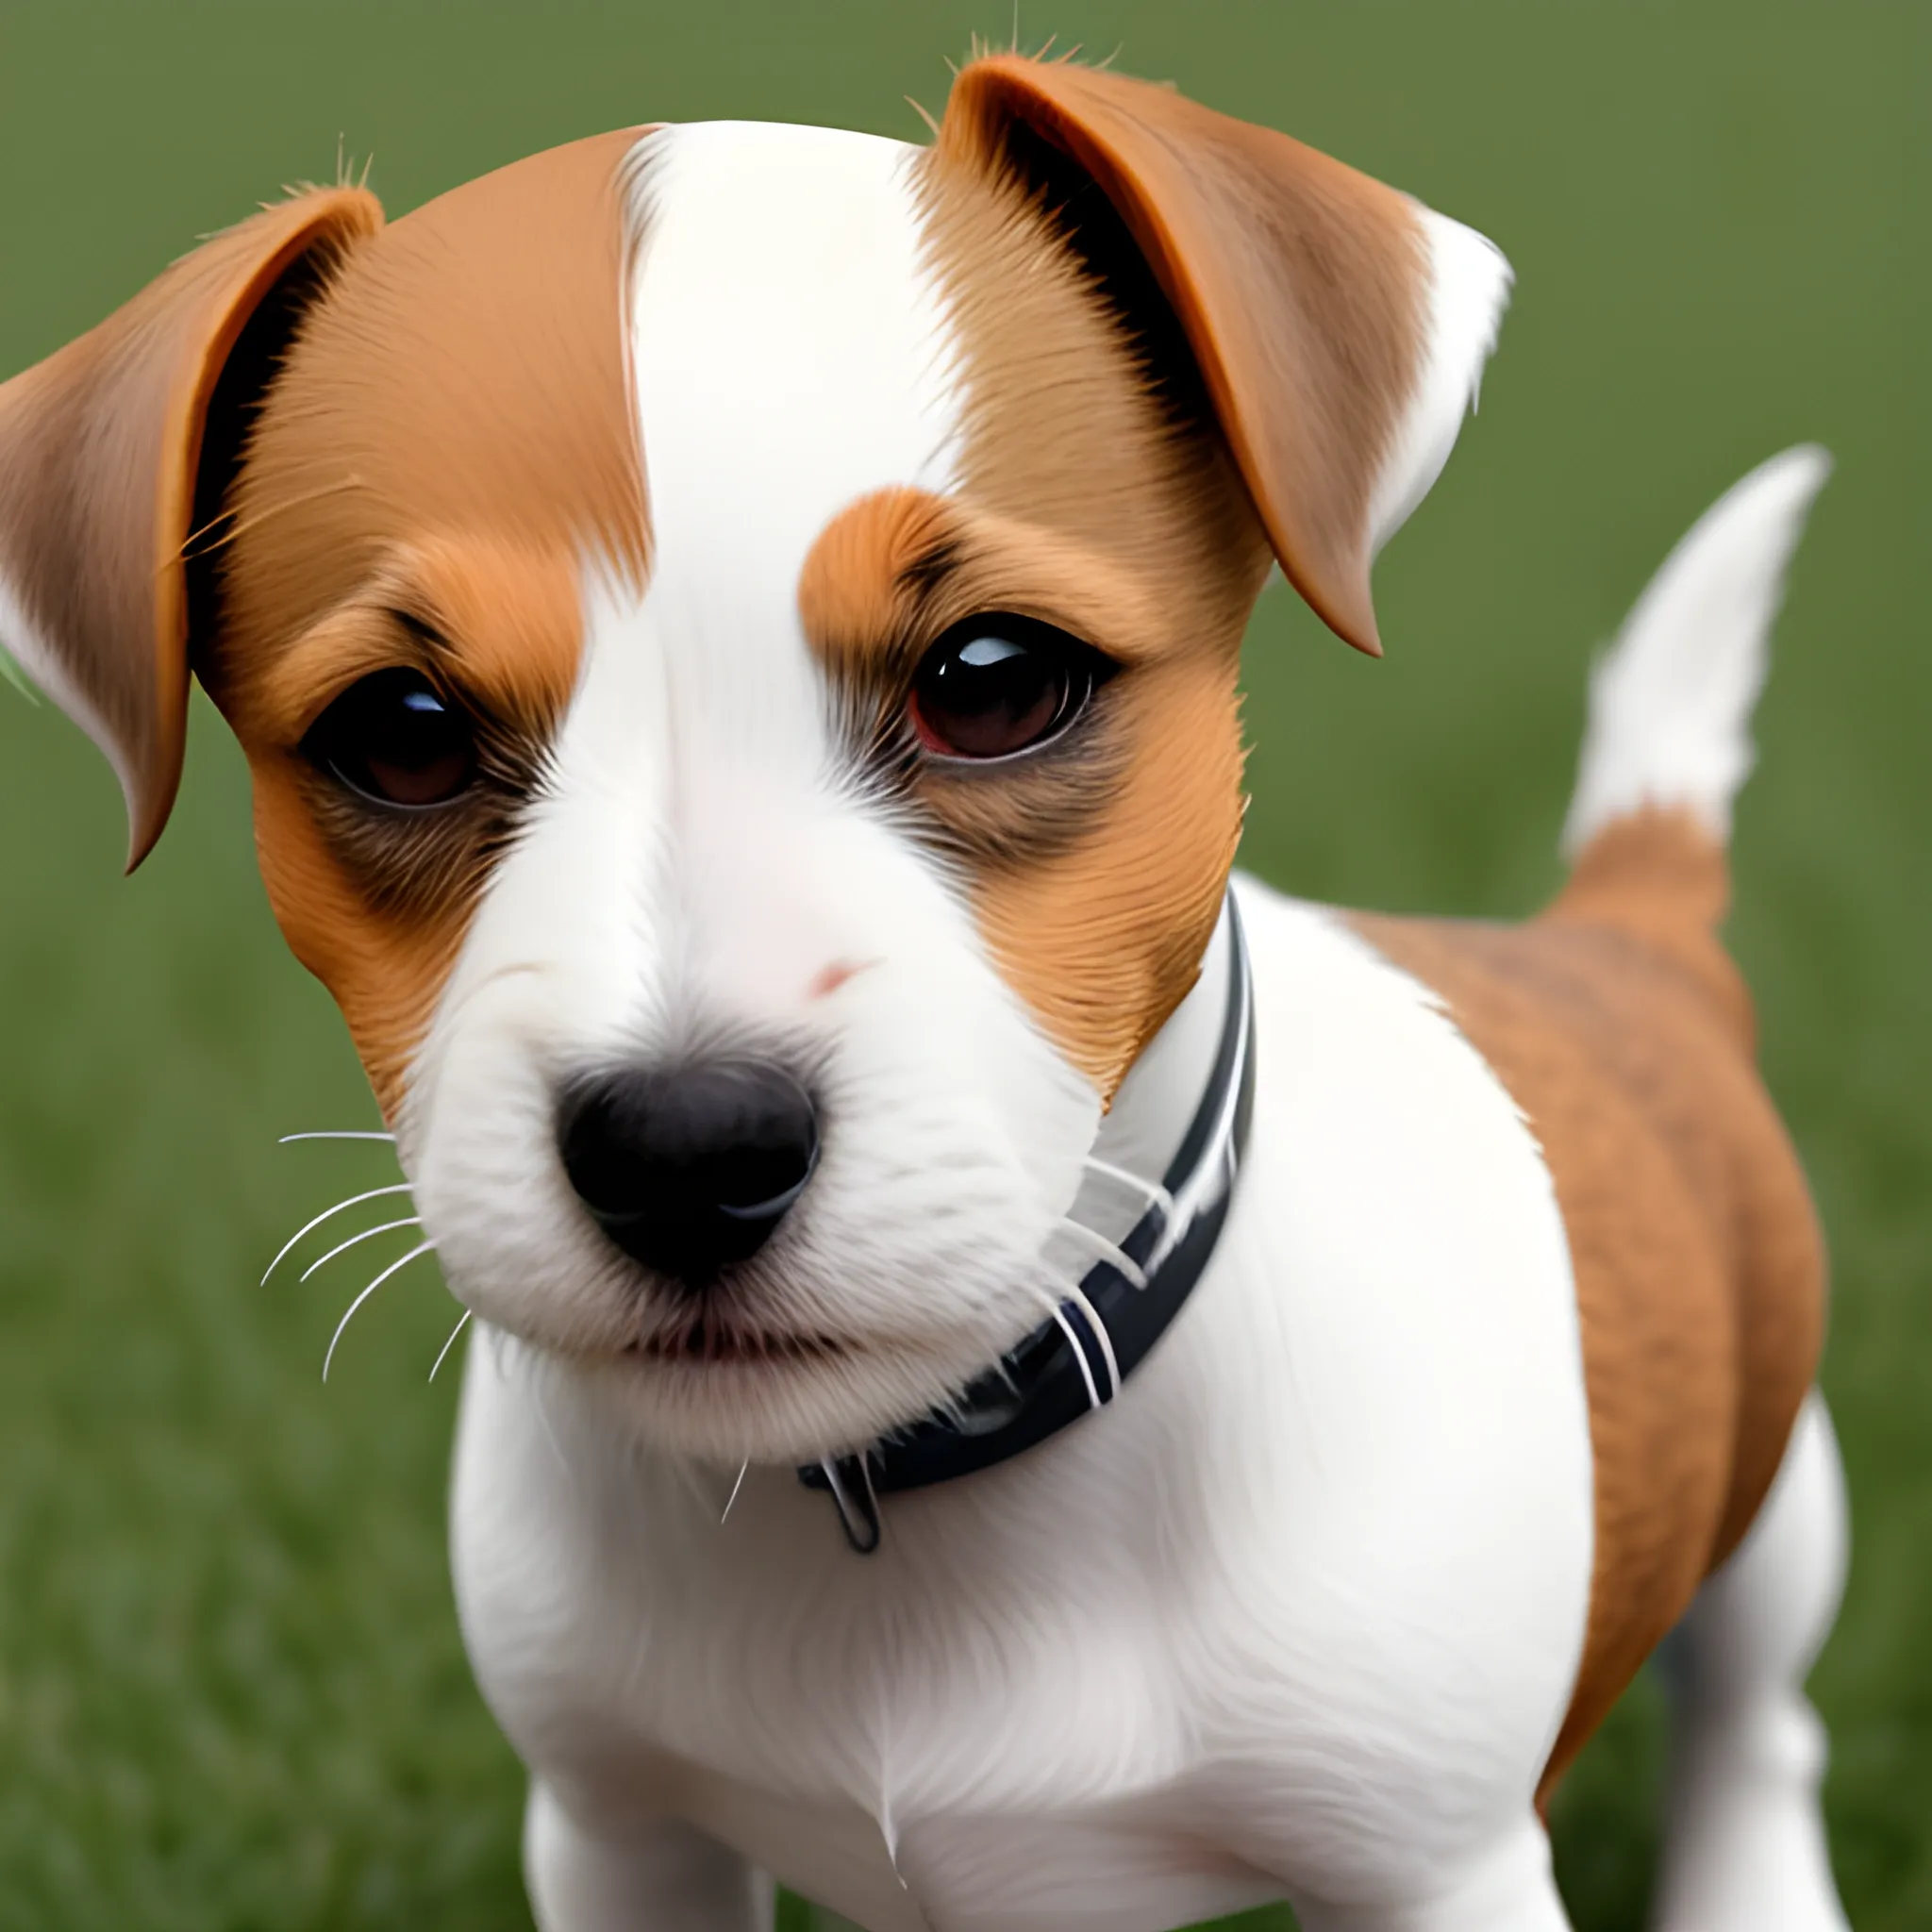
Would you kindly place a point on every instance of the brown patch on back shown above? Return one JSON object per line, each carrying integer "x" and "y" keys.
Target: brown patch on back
{"x": 1083, "y": 501}
{"x": 453, "y": 438}
{"x": 1624, "y": 1031}
{"x": 1301, "y": 286}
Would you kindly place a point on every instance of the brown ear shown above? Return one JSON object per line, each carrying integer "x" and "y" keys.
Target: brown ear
{"x": 102, "y": 480}
{"x": 1339, "y": 326}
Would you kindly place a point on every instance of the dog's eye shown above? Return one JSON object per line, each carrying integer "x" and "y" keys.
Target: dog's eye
{"x": 996, "y": 685}
{"x": 395, "y": 737}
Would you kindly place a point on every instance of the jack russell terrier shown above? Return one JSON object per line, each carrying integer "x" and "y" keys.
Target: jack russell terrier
{"x": 1024, "y": 1389}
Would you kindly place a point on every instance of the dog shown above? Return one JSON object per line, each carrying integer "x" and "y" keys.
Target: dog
{"x": 1023, "y": 1385}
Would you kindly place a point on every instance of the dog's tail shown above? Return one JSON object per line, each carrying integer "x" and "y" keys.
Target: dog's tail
{"x": 1669, "y": 738}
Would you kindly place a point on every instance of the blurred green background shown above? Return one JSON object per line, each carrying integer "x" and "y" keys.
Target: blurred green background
{"x": 231, "y": 1693}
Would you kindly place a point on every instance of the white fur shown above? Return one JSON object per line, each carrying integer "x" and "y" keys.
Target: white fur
{"x": 10, "y": 672}
{"x": 22, "y": 643}
{"x": 1144, "y": 1127}
{"x": 1298, "y": 1615}
{"x": 1670, "y": 704}
{"x": 1745, "y": 1850}
{"x": 1469, "y": 288}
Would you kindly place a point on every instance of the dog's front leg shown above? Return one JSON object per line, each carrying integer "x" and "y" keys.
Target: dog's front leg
{"x": 1506, "y": 1888}
{"x": 653, "y": 1875}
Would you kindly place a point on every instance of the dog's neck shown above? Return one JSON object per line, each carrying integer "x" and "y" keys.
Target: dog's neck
{"x": 1162, "y": 1091}
{"x": 1192, "y": 1093}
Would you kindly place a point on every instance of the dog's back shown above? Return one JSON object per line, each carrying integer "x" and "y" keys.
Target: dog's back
{"x": 1624, "y": 1031}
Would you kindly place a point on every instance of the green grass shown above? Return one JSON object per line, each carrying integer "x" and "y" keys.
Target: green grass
{"x": 232, "y": 1692}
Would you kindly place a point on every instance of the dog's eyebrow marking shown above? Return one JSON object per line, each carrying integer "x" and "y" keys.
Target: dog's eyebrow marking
{"x": 872, "y": 572}
{"x": 919, "y": 578}
{"x": 431, "y": 637}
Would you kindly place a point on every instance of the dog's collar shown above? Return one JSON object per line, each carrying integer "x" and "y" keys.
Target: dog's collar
{"x": 1077, "y": 1360}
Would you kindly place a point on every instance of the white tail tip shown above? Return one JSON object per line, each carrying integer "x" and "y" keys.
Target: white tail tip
{"x": 1670, "y": 702}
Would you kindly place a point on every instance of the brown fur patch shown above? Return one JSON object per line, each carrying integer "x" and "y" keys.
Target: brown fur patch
{"x": 1082, "y": 500}
{"x": 1623, "y": 1030}
{"x": 452, "y": 440}
{"x": 385, "y": 972}
{"x": 1300, "y": 284}
{"x": 464, "y": 374}
{"x": 498, "y": 623}
{"x": 99, "y": 448}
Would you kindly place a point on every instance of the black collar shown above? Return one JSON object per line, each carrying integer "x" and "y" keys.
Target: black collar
{"x": 1076, "y": 1361}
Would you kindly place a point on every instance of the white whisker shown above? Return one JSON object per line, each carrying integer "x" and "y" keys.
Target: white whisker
{"x": 368, "y": 1234}
{"x": 354, "y": 1200}
{"x": 1053, "y": 1301}
{"x": 395, "y": 1267}
{"x": 1078, "y": 1298}
{"x": 462, "y": 1323}
{"x": 733, "y": 1496}
{"x": 328, "y": 1134}
{"x": 1104, "y": 1250}
{"x": 1067, "y": 1329}
{"x": 1151, "y": 1191}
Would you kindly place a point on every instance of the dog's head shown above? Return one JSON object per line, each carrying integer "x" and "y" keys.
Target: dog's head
{"x": 734, "y": 629}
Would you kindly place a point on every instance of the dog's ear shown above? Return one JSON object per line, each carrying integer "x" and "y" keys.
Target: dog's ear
{"x": 1339, "y": 327}
{"x": 114, "y": 452}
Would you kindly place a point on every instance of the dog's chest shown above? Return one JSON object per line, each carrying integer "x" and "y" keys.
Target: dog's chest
{"x": 1040, "y": 1818}
{"x": 907, "y": 1746}
{"x": 1054, "y": 1869}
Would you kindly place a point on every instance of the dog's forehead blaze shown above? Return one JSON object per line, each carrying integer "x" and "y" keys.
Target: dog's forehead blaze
{"x": 457, "y": 409}
{"x": 1062, "y": 431}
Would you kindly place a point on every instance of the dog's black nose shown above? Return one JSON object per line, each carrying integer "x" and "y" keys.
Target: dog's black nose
{"x": 690, "y": 1171}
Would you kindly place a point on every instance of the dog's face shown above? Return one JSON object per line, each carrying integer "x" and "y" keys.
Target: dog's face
{"x": 734, "y": 629}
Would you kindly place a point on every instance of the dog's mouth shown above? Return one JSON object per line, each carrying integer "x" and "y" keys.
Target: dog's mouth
{"x": 709, "y": 1341}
